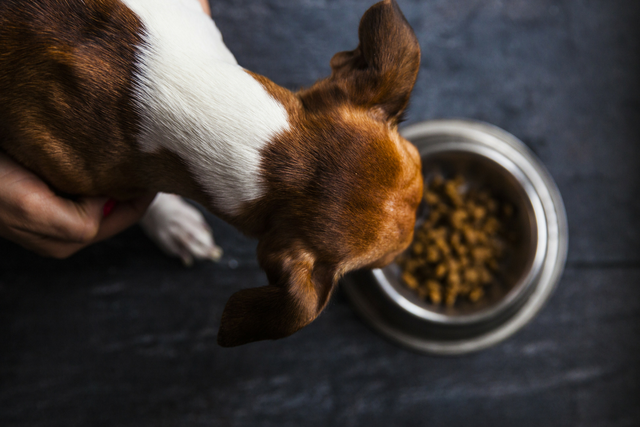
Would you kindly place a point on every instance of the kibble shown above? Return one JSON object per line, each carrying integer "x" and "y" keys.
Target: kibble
{"x": 457, "y": 250}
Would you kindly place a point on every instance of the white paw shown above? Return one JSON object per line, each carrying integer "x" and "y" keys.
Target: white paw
{"x": 179, "y": 229}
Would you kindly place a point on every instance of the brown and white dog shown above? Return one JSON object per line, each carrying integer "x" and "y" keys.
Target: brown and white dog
{"x": 121, "y": 97}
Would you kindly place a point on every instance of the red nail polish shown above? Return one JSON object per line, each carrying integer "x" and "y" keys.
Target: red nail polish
{"x": 108, "y": 207}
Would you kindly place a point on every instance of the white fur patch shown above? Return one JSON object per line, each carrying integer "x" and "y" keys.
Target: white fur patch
{"x": 179, "y": 229}
{"x": 196, "y": 101}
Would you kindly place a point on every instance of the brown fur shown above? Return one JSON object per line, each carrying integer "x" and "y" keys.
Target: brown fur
{"x": 342, "y": 185}
{"x": 65, "y": 92}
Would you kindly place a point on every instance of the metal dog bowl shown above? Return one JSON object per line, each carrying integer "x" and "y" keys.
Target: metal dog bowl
{"x": 497, "y": 160}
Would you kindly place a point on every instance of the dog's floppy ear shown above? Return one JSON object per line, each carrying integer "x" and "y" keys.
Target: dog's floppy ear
{"x": 381, "y": 72}
{"x": 299, "y": 288}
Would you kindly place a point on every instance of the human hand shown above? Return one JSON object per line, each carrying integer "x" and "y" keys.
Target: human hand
{"x": 33, "y": 216}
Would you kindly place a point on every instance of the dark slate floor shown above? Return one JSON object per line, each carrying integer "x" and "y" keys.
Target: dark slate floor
{"x": 119, "y": 335}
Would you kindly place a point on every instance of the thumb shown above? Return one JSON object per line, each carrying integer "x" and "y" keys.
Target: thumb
{"x": 119, "y": 215}
{"x": 76, "y": 220}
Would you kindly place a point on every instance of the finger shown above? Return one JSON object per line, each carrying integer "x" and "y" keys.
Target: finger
{"x": 123, "y": 215}
{"x": 45, "y": 246}
{"x": 50, "y": 216}
{"x": 34, "y": 212}
{"x": 60, "y": 227}
{"x": 30, "y": 208}
{"x": 88, "y": 211}
{"x": 72, "y": 221}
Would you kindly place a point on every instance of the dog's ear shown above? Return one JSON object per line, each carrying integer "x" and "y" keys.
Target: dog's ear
{"x": 299, "y": 288}
{"x": 381, "y": 72}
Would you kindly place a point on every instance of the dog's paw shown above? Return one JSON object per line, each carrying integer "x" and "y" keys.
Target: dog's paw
{"x": 179, "y": 229}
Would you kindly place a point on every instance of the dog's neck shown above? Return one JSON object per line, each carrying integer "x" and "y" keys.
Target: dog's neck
{"x": 195, "y": 101}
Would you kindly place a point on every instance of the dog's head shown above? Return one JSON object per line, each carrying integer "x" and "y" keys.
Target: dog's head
{"x": 343, "y": 185}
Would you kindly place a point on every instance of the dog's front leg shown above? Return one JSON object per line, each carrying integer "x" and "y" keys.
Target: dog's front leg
{"x": 179, "y": 229}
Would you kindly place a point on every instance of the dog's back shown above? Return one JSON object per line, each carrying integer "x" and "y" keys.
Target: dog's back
{"x": 78, "y": 57}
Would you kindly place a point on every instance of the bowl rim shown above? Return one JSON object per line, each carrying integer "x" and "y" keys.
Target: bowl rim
{"x": 525, "y": 281}
{"x": 382, "y": 316}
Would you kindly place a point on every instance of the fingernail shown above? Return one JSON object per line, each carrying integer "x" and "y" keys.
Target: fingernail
{"x": 108, "y": 207}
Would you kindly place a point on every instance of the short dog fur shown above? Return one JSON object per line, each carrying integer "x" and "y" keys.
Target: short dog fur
{"x": 118, "y": 98}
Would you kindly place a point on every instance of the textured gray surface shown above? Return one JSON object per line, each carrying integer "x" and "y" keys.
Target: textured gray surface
{"x": 120, "y": 336}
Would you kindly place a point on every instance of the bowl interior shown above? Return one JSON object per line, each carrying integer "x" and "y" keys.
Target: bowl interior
{"x": 482, "y": 168}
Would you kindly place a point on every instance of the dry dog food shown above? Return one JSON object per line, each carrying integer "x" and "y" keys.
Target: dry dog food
{"x": 456, "y": 251}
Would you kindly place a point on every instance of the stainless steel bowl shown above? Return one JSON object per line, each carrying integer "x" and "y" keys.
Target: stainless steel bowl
{"x": 493, "y": 158}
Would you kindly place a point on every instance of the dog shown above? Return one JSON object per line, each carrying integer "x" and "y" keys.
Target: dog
{"x": 121, "y": 97}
